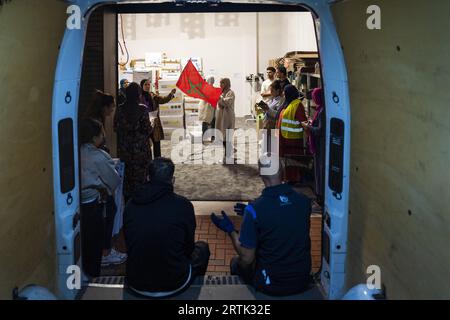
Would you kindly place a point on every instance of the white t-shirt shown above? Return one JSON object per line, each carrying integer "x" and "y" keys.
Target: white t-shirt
{"x": 265, "y": 87}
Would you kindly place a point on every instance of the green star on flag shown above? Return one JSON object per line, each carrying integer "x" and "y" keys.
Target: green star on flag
{"x": 193, "y": 89}
{"x": 193, "y": 85}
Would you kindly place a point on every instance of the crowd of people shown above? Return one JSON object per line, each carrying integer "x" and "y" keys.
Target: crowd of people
{"x": 273, "y": 245}
{"x": 297, "y": 135}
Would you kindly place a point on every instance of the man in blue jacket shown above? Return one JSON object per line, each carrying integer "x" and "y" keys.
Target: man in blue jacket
{"x": 273, "y": 246}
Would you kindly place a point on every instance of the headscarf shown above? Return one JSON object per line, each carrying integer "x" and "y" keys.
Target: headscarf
{"x": 122, "y": 83}
{"x": 132, "y": 110}
{"x": 146, "y": 97}
{"x": 290, "y": 94}
{"x": 227, "y": 83}
{"x": 317, "y": 97}
{"x": 122, "y": 91}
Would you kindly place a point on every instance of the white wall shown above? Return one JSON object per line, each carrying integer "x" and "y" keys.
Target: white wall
{"x": 283, "y": 32}
{"x": 226, "y": 41}
{"x": 299, "y": 34}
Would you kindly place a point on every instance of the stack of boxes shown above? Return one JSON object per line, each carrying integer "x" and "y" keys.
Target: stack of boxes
{"x": 193, "y": 125}
{"x": 171, "y": 113}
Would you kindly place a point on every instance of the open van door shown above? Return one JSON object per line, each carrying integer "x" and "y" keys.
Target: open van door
{"x": 65, "y": 143}
{"x": 65, "y": 154}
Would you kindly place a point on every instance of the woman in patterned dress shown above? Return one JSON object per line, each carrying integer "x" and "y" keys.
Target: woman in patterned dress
{"x": 133, "y": 129}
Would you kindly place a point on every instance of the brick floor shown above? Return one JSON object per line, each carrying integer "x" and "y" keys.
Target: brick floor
{"x": 222, "y": 249}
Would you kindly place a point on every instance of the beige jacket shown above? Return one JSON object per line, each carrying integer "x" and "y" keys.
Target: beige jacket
{"x": 97, "y": 172}
{"x": 225, "y": 118}
{"x": 205, "y": 112}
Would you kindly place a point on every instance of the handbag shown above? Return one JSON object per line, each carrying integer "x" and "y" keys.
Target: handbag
{"x": 158, "y": 133}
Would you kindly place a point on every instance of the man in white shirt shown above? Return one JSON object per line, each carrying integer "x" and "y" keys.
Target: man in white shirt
{"x": 265, "y": 87}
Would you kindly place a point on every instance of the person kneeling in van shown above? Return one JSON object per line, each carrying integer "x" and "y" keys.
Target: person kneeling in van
{"x": 273, "y": 246}
{"x": 159, "y": 228}
{"x": 99, "y": 180}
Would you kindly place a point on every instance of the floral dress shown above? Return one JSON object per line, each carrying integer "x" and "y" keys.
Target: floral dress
{"x": 133, "y": 129}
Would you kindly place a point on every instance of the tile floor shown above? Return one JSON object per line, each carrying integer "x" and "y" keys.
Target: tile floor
{"x": 222, "y": 249}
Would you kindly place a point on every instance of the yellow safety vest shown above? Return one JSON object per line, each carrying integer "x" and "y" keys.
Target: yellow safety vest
{"x": 290, "y": 127}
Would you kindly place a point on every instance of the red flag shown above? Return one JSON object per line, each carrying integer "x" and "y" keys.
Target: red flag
{"x": 192, "y": 84}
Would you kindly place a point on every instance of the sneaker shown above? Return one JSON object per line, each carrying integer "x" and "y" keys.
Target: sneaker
{"x": 114, "y": 257}
{"x": 118, "y": 253}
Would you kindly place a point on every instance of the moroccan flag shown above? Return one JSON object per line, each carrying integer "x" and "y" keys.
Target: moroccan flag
{"x": 193, "y": 85}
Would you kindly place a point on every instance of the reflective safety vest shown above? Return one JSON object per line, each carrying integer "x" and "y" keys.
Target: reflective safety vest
{"x": 290, "y": 127}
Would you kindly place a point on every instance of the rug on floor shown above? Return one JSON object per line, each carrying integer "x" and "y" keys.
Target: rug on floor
{"x": 218, "y": 182}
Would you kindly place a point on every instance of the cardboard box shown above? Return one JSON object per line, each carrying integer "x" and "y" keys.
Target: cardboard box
{"x": 167, "y": 85}
{"x": 172, "y": 121}
{"x": 171, "y": 109}
{"x": 168, "y": 132}
{"x": 191, "y": 104}
{"x": 192, "y": 119}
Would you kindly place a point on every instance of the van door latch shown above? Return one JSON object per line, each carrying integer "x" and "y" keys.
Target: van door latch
{"x": 69, "y": 199}
{"x": 68, "y": 98}
{"x": 335, "y": 97}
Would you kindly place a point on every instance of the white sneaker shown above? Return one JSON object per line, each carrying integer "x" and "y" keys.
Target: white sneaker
{"x": 114, "y": 257}
{"x": 120, "y": 254}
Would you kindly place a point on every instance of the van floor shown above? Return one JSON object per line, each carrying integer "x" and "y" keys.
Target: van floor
{"x": 220, "y": 245}
{"x": 203, "y": 288}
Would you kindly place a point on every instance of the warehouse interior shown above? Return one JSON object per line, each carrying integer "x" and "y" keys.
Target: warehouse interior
{"x": 239, "y": 46}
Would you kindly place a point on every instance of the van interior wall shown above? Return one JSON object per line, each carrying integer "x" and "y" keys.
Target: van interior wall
{"x": 399, "y": 202}
{"x": 31, "y": 32}
{"x": 227, "y": 42}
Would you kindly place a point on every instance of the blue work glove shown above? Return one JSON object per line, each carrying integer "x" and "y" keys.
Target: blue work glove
{"x": 239, "y": 208}
{"x": 224, "y": 224}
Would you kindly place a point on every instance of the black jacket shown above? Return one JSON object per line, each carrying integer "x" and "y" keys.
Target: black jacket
{"x": 159, "y": 228}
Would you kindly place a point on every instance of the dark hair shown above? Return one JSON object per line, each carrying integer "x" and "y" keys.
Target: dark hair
{"x": 100, "y": 100}
{"x": 282, "y": 70}
{"x": 133, "y": 92}
{"x": 161, "y": 169}
{"x": 271, "y": 69}
{"x": 276, "y": 85}
{"x": 88, "y": 129}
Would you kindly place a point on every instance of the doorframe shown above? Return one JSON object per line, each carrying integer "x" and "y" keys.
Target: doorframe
{"x": 335, "y": 83}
